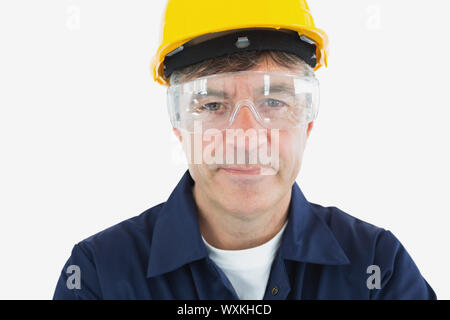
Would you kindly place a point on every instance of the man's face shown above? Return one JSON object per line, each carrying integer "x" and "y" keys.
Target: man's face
{"x": 245, "y": 189}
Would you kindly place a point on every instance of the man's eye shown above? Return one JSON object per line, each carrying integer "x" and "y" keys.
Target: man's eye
{"x": 212, "y": 106}
{"x": 274, "y": 103}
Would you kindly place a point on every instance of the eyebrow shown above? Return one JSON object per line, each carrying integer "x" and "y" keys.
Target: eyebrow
{"x": 212, "y": 93}
{"x": 276, "y": 88}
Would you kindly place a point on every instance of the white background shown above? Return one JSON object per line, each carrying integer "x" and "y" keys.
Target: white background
{"x": 85, "y": 140}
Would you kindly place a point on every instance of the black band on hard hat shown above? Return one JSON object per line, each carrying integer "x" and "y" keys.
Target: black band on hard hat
{"x": 241, "y": 41}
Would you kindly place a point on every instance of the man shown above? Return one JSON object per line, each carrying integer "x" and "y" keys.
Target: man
{"x": 242, "y": 100}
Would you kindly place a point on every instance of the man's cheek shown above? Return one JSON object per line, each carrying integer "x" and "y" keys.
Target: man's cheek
{"x": 290, "y": 151}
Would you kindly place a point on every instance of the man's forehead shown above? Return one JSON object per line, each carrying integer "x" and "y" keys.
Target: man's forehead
{"x": 277, "y": 79}
{"x": 231, "y": 83}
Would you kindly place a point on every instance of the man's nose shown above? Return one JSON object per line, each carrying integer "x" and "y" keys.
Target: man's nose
{"x": 245, "y": 118}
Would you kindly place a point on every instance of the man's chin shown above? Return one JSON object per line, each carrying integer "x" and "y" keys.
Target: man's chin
{"x": 244, "y": 192}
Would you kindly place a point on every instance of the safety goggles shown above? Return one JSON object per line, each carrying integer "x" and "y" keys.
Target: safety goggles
{"x": 277, "y": 100}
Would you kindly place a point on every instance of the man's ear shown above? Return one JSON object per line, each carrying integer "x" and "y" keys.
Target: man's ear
{"x": 177, "y": 132}
{"x": 308, "y": 130}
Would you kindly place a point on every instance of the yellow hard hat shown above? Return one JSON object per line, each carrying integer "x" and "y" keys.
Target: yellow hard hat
{"x": 185, "y": 20}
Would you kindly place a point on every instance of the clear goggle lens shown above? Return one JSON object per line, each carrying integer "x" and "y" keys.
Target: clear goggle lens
{"x": 277, "y": 100}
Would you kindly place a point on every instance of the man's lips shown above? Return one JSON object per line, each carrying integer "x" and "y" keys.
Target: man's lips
{"x": 250, "y": 170}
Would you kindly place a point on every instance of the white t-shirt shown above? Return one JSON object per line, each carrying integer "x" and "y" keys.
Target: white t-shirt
{"x": 248, "y": 270}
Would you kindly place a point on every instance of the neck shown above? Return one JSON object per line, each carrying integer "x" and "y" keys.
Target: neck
{"x": 239, "y": 230}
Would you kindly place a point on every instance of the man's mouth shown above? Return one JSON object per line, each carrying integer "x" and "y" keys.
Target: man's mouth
{"x": 247, "y": 170}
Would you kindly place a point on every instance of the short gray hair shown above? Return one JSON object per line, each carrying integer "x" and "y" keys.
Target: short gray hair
{"x": 239, "y": 62}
